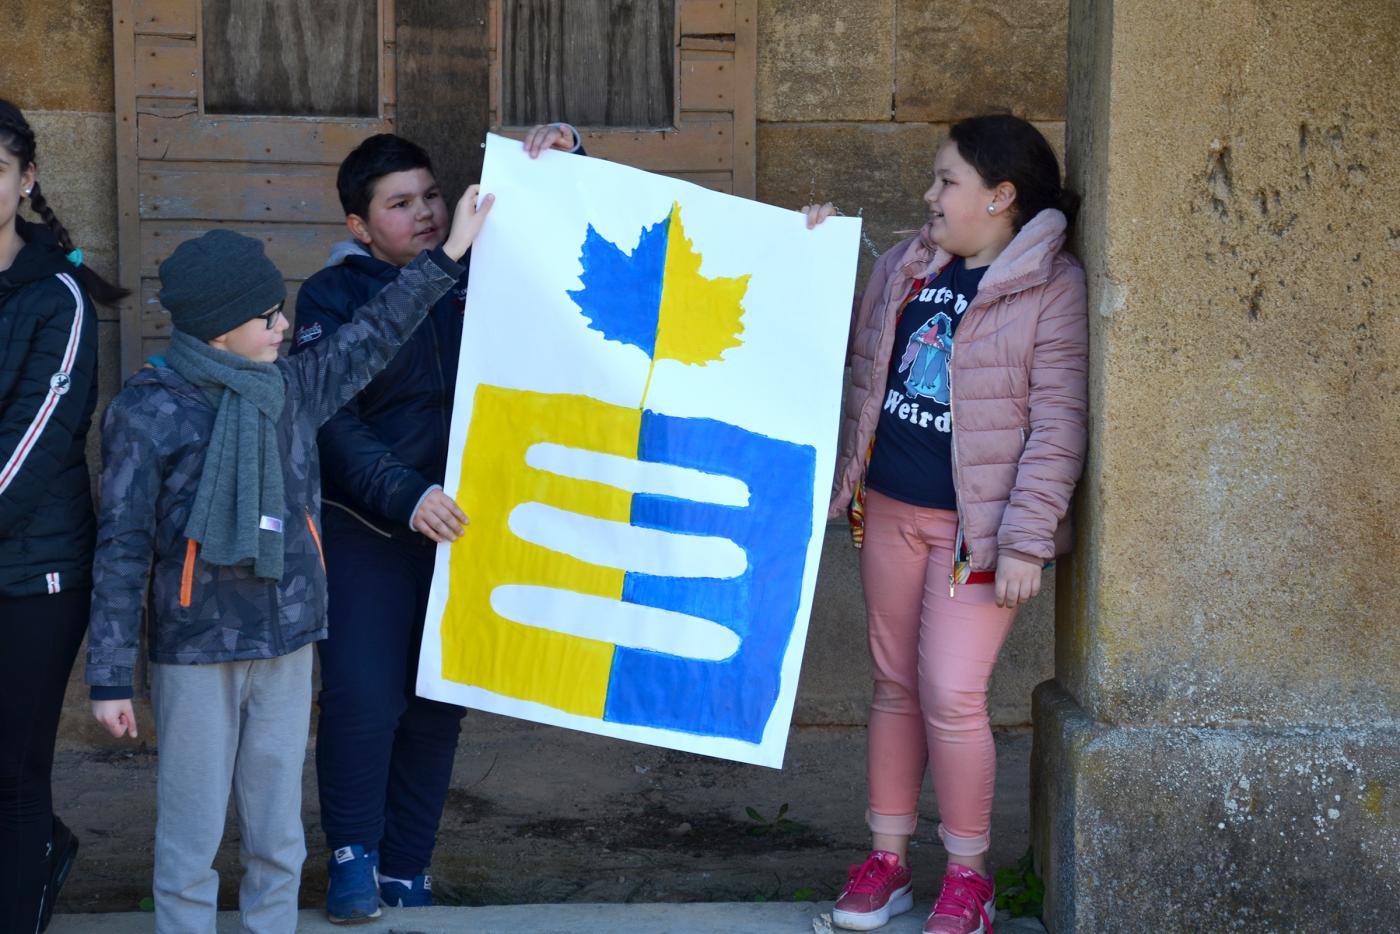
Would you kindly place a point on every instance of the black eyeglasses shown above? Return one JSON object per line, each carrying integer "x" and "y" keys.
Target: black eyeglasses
{"x": 270, "y": 317}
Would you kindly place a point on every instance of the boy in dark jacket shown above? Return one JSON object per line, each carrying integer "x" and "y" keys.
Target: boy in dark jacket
{"x": 383, "y": 755}
{"x": 211, "y": 484}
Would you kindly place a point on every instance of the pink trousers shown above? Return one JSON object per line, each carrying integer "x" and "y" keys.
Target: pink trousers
{"x": 932, "y": 657}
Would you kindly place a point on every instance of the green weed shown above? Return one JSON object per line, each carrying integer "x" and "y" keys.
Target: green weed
{"x": 780, "y": 823}
{"x": 1020, "y": 891}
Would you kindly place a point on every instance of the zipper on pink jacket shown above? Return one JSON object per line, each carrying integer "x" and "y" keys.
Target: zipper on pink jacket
{"x": 953, "y": 454}
{"x": 954, "y": 575}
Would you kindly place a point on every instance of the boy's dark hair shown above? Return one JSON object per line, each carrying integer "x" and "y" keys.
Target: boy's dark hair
{"x": 17, "y": 136}
{"x": 1003, "y": 148}
{"x": 376, "y": 157}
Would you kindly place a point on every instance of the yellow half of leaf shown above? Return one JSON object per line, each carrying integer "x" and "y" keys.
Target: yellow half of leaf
{"x": 700, "y": 317}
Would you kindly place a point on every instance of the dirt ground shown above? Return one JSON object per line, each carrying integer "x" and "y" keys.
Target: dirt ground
{"x": 539, "y": 814}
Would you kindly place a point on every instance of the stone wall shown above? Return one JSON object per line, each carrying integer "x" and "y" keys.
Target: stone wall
{"x": 852, "y": 101}
{"x": 1243, "y": 256}
{"x": 1227, "y": 676}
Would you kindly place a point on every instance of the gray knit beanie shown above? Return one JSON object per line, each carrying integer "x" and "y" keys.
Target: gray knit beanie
{"x": 213, "y": 283}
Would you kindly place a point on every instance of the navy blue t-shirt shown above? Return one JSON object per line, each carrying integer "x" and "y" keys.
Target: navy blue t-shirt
{"x": 912, "y": 461}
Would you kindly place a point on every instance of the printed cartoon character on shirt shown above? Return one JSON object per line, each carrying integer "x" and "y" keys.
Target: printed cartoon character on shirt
{"x": 926, "y": 359}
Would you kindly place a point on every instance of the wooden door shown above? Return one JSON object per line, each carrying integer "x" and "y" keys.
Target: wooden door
{"x": 710, "y": 136}
{"x": 236, "y": 113}
{"x": 186, "y": 163}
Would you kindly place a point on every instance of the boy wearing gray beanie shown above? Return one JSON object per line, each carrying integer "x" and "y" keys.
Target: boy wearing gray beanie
{"x": 211, "y": 496}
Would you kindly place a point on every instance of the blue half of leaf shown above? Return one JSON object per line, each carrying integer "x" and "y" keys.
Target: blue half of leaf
{"x": 621, "y": 294}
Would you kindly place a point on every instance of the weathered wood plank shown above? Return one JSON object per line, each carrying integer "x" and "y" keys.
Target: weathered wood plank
{"x": 165, "y": 17}
{"x": 128, "y": 222}
{"x": 148, "y": 347}
{"x": 707, "y": 17}
{"x": 232, "y": 192}
{"x": 166, "y": 108}
{"x": 745, "y": 162}
{"x": 389, "y": 83}
{"x": 444, "y": 73}
{"x": 192, "y": 137}
{"x": 707, "y": 81}
{"x": 694, "y": 146}
{"x": 701, "y": 143}
{"x": 590, "y": 62}
{"x": 299, "y": 250}
{"x": 291, "y": 57}
{"x": 707, "y": 44}
{"x": 166, "y": 67}
{"x": 388, "y": 46}
{"x": 493, "y": 44}
{"x": 715, "y": 181}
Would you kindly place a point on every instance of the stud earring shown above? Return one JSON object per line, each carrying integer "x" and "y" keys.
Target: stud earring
{"x": 26, "y": 192}
{"x": 991, "y": 209}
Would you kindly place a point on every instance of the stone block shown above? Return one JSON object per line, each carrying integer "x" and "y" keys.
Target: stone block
{"x": 57, "y": 55}
{"x": 878, "y": 172}
{"x": 956, "y": 59}
{"x": 834, "y": 689}
{"x": 1180, "y": 829}
{"x": 1027, "y": 658}
{"x": 825, "y": 59}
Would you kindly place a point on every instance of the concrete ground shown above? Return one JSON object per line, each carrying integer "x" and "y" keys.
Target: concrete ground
{"x": 724, "y": 918}
{"x": 563, "y": 821}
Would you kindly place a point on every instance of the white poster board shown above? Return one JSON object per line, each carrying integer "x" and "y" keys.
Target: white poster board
{"x": 643, "y": 438}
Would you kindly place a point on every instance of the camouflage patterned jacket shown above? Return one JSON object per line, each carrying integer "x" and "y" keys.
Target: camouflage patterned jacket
{"x": 154, "y": 438}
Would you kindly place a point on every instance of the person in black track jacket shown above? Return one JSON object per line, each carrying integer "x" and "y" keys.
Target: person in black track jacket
{"x": 48, "y": 362}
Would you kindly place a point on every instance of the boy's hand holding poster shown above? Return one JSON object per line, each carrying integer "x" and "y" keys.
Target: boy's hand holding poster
{"x": 643, "y": 439}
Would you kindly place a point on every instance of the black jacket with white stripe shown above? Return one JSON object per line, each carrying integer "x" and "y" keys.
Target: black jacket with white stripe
{"x": 48, "y": 390}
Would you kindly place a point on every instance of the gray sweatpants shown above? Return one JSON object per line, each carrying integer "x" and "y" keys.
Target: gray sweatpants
{"x": 239, "y": 725}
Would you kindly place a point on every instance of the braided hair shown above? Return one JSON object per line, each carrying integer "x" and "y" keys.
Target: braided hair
{"x": 17, "y": 136}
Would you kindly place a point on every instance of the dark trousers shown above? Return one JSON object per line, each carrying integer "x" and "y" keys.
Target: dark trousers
{"x": 40, "y": 637}
{"x": 383, "y": 755}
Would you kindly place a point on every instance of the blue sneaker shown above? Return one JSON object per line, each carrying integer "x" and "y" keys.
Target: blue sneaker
{"x": 415, "y": 894}
{"x": 353, "y": 894}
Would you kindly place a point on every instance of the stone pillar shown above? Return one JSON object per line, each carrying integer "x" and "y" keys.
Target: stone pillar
{"x": 1219, "y": 749}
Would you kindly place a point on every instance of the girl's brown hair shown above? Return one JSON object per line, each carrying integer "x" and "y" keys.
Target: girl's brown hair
{"x": 1003, "y": 148}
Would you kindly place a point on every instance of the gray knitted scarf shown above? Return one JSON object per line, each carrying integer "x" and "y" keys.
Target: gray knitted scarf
{"x": 238, "y": 509}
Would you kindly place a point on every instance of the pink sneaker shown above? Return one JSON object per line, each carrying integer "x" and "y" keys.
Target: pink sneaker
{"x": 965, "y": 906}
{"x": 877, "y": 890}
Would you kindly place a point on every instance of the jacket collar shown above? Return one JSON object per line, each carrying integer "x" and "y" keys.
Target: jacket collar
{"x": 40, "y": 257}
{"x": 371, "y": 266}
{"x": 155, "y": 371}
{"x": 1024, "y": 263}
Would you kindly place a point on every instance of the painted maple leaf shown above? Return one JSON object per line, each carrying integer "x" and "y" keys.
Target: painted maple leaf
{"x": 656, "y": 299}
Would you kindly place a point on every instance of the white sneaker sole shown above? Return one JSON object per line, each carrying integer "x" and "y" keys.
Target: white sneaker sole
{"x": 900, "y": 902}
{"x": 990, "y": 907}
{"x": 351, "y": 922}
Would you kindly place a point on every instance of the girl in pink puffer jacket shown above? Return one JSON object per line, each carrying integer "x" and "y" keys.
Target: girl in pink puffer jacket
{"x": 963, "y": 437}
